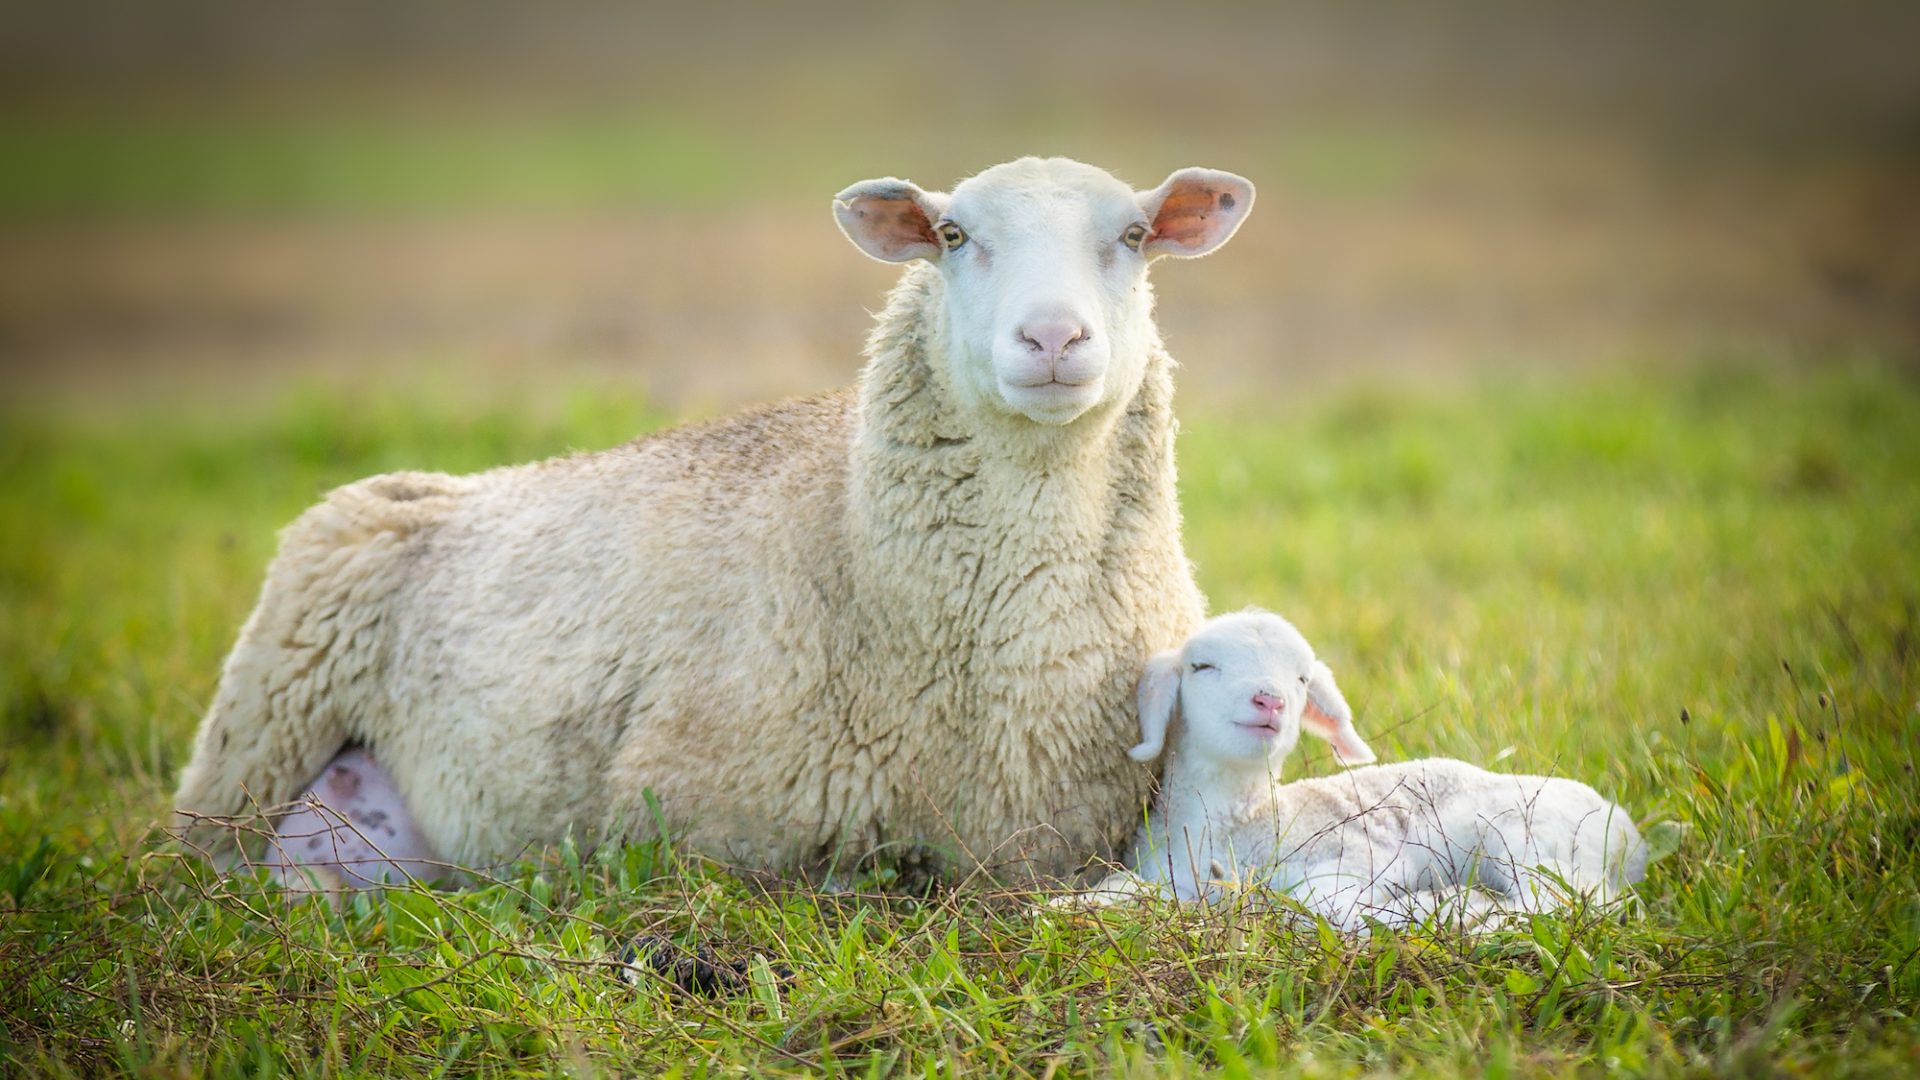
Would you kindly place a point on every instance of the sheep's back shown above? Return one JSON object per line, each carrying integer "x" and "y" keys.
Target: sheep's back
{"x": 651, "y": 617}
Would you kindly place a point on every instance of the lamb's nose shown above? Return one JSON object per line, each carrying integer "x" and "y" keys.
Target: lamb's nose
{"x": 1052, "y": 337}
{"x": 1267, "y": 703}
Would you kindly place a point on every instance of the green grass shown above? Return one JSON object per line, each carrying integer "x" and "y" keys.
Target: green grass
{"x": 1695, "y": 589}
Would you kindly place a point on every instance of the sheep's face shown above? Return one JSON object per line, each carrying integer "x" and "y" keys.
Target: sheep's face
{"x": 1244, "y": 686}
{"x": 1048, "y": 310}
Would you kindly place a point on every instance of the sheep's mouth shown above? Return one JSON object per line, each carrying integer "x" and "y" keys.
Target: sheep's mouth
{"x": 1265, "y": 727}
{"x": 1046, "y": 384}
{"x": 1053, "y": 402}
{"x": 1055, "y": 388}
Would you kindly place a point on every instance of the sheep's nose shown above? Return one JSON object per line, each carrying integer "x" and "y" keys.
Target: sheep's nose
{"x": 1052, "y": 337}
{"x": 1267, "y": 703}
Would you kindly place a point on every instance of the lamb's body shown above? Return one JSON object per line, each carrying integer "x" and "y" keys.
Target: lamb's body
{"x": 810, "y": 629}
{"x": 1391, "y": 842}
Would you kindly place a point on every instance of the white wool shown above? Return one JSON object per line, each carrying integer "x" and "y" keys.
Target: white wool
{"x": 1397, "y": 843}
{"x": 905, "y": 614}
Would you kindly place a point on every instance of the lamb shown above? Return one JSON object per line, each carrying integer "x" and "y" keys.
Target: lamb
{"x": 1395, "y": 843}
{"x": 909, "y": 613}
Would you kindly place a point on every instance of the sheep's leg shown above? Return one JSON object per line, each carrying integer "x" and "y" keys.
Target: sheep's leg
{"x": 352, "y": 831}
{"x": 272, "y": 728}
{"x": 293, "y": 691}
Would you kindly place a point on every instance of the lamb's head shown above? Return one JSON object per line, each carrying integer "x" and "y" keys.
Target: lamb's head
{"x": 1242, "y": 688}
{"x": 1045, "y": 263}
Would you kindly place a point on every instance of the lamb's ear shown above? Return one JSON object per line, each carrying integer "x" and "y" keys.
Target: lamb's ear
{"x": 891, "y": 220}
{"x": 1327, "y": 716}
{"x": 1194, "y": 212}
{"x": 1158, "y": 694}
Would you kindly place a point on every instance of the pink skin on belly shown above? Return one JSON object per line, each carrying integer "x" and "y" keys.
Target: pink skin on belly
{"x": 352, "y": 831}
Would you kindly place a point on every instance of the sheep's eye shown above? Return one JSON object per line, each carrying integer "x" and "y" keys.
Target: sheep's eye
{"x": 1303, "y": 680}
{"x": 1202, "y": 667}
{"x": 1135, "y": 235}
{"x": 952, "y": 236}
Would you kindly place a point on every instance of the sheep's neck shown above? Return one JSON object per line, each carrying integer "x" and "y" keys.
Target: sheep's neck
{"x": 987, "y": 499}
{"x": 1018, "y": 590}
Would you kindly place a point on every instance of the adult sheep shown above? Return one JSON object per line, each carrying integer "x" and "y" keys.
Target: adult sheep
{"x": 911, "y": 612}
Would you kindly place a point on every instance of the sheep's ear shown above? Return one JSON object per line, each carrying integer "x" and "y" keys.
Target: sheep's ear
{"x": 1194, "y": 212}
{"x": 1159, "y": 693}
{"x": 1327, "y": 716}
{"x": 891, "y": 220}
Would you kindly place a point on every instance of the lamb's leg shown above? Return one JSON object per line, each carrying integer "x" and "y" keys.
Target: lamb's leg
{"x": 1550, "y": 883}
{"x": 1344, "y": 898}
{"x": 352, "y": 831}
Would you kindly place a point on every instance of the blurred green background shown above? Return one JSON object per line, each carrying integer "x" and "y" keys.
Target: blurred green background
{"x": 208, "y": 196}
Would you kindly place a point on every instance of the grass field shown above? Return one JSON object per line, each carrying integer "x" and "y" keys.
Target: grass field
{"x": 1693, "y": 586}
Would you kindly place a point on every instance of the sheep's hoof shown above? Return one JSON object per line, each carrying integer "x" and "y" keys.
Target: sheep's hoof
{"x": 693, "y": 971}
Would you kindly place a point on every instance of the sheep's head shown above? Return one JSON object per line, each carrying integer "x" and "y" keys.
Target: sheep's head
{"x": 1244, "y": 685}
{"x": 1045, "y": 263}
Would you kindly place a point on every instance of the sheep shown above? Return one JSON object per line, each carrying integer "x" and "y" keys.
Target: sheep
{"x": 904, "y": 614}
{"x": 1395, "y": 843}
